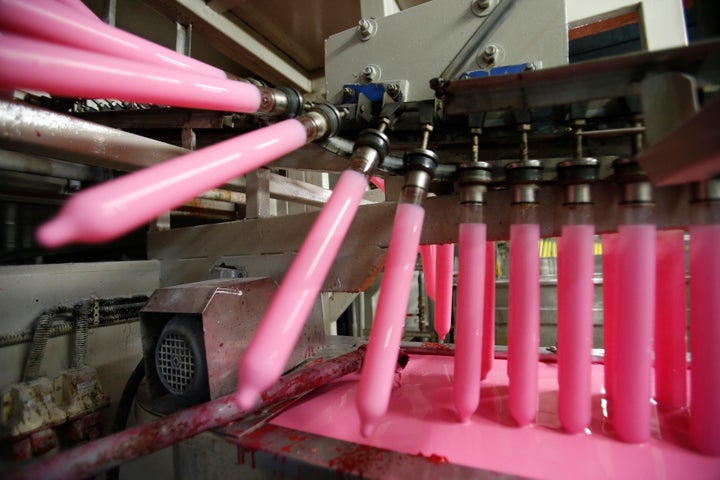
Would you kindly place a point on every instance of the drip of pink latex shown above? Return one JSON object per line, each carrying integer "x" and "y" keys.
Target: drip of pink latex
{"x": 488, "y": 334}
{"x": 267, "y": 355}
{"x": 428, "y": 254}
{"x": 70, "y": 72}
{"x": 378, "y": 369}
{"x": 379, "y": 183}
{"x": 79, "y": 7}
{"x": 633, "y": 332}
{"x": 524, "y": 322}
{"x": 469, "y": 325}
{"x": 610, "y": 292}
{"x": 670, "y": 365}
{"x": 62, "y": 24}
{"x": 705, "y": 338}
{"x": 112, "y": 209}
{"x": 444, "y": 289}
{"x": 576, "y": 264}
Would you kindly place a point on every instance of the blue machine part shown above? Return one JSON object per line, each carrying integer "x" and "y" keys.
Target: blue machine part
{"x": 505, "y": 70}
{"x": 373, "y": 91}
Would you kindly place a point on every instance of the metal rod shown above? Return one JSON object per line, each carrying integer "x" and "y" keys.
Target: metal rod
{"x": 94, "y": 457}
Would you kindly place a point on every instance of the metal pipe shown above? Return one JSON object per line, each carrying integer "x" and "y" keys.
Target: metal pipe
{"x": 36, "y": 165}
{"x": 94, "y": 457}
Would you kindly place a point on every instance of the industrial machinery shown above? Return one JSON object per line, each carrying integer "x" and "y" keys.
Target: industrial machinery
{"x": 495, "y": 125}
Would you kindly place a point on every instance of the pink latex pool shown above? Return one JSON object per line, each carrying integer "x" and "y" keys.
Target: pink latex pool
{"x": 421, "y": 419}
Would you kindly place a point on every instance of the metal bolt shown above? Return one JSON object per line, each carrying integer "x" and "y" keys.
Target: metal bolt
{"x": 481, "y": 8}
{"x": 490, "y": 54}
{"x": 370, "y": 73}
{"x": 366, "y": 28}
{"x": 348, "y": 93}
{"x": 393, "y": 89}
{"x": 530, "y": 67}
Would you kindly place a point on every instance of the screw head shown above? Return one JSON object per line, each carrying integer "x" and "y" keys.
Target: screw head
{"x": 348, "y": 92}
{"x": 371, "y": 73}
{"x": 366, "y": 28}
{"x": 489, "y": 54}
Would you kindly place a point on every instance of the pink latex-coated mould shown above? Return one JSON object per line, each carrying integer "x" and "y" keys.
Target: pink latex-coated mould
{"x": 445, "y": 257}
{"x": 114, "y": 208}
{"x": 62, "y": 24}
{"x": 384, "y": 345}
{"x": 469, "y": 325}
{"x": 421, "y": 421}
{"x": 705, "y": 338}
{"x": 267, "y": 355}
{"x": 610, "y": 292}
{"x": 428, "y": 255}
{"x": 576, "y": 264}
{"x": 71, "y": 72}
{"x": 524, "y": 322}
{"x": 488, "y": 335}
{"x": 634, "y": 332}
{"x": 670, "y": 367}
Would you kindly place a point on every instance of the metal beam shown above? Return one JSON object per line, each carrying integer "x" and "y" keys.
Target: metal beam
{"x": 662, "y": 22}
{"x": 235, "y": 40}
{"x": 264, "y": 248}
{"x": 607, "y": 78}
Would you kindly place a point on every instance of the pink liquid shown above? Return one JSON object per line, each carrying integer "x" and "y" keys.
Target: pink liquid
{"x": 576, "y": 264}
{"x": 267, "y": 355}
{"x": 610, "y": 299}
{"x": 705, "y": 338}
{"x": 70, "y": 72}
{"x": 634, "y": 331}
{"x": 112, "y": 209}
{"x": 524, "y": 322}
{"x": 420, "y": 421}
{"x": 670, "y": 365}
{"x": 79, "y": 7}
{"x": 444, "y": 289}
{"x": 469, "y": 326}
{"x": 428, "y": 256}
{"x": 488, "y": 335}
{"x": 378, "y": 368}
{"x": 65, "y": 25}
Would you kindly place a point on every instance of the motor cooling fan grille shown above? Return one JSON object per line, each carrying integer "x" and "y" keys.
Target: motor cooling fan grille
{"x": 175, "y": 362}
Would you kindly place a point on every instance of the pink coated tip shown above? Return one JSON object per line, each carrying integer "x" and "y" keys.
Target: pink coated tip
{"x": 464, "y": 417}
{"x": 56, "y": 233}
{"x": 367, "y": 428}
{"x": 245, "y": 398}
